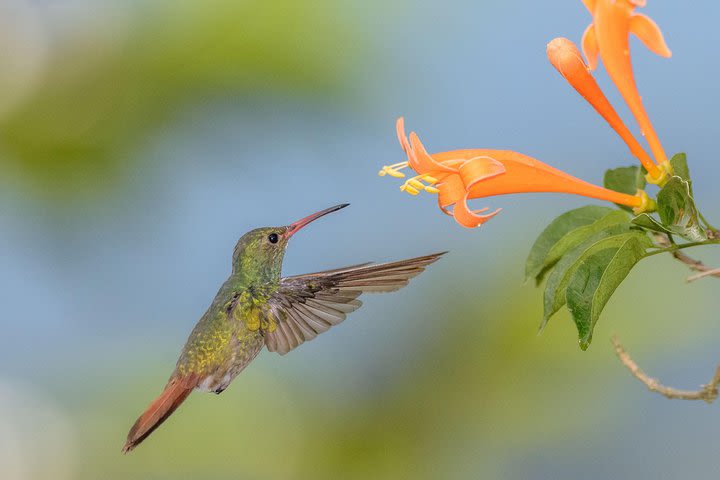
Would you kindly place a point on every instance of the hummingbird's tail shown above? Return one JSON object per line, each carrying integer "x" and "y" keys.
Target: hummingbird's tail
{"x": 176, "y": 391}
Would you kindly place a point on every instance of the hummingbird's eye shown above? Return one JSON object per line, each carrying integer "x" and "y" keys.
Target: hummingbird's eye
{"x": 273, "y": 238}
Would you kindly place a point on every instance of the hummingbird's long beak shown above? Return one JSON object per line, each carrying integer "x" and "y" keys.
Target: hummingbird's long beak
{"x": 294, "y": 227}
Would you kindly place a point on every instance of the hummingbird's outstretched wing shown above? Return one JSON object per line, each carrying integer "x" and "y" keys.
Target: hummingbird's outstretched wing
{"x": 307, "y": 305}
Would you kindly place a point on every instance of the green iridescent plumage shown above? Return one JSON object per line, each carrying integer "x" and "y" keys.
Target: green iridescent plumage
{"x": 231, "y": 332}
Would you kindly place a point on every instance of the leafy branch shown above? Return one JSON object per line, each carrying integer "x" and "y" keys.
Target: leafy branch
{"x": 585, "y": 254}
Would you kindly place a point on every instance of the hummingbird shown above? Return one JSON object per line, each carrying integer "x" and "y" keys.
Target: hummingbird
{"x": 257, "y": 308}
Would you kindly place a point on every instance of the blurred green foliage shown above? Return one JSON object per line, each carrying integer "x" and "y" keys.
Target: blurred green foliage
{"x": 107, "y": 85}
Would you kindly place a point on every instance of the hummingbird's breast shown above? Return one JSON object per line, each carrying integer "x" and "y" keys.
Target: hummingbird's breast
{"x": 227, "y": 339}
{"x": 243, "y": 350}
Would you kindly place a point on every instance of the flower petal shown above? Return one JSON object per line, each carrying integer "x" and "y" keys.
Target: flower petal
{"x": 452, "y": 190}
{"x": 402, "y": 138}
{"x": 478, "y": 169}
{"x": 471, "y": 219}
{"x": 590, "y": 47}
{"x": 589, "y": 4}
{"x": 422, "y": 162}
{"x": 649, "y": 33}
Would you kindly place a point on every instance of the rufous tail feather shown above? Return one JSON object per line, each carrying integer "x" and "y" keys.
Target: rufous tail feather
{"x": 176, "y": 391}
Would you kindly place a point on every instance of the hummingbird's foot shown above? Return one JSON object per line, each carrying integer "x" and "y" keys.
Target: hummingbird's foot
{"x": 219, "y": 390}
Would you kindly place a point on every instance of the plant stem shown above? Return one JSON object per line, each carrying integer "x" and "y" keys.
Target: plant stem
{"x": 675, "y": 247}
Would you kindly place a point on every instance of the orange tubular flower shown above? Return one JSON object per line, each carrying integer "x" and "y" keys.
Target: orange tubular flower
{"x": 565, "y": 57}
{"x": 608, "y": 37}
{"x": 460, "y": 175}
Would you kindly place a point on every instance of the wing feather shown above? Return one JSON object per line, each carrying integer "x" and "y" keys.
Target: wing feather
{"x": 308, "y": 332}
{"x": 307, "y": 305}
{"x": 286, "y": 338}
{"x": 316, "y": 323}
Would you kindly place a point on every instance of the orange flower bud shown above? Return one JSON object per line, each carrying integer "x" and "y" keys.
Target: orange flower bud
{"x": 566, "y": 58}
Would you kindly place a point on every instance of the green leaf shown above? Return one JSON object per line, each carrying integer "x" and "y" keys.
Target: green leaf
{"x": 578, "y": 235}
{"x": 649, "y": 223}
{"x": 625, "y": 180}
{"x": 594, "y": 281}
{"x": 677, "y": 210}
{"x": 680, "y": 168}
{"x": 554, "y": 296}
{"x": 553, "y": 233}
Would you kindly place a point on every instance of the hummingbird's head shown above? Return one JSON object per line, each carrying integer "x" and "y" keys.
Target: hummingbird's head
{"x": 259, "y": 253}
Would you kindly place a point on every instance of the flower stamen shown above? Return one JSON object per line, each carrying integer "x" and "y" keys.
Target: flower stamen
{"x": 393, "y": 170}
{"x": 414, "y": 185}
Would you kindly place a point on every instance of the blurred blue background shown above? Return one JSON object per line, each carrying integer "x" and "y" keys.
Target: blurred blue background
{"x": 140, "y": 139}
